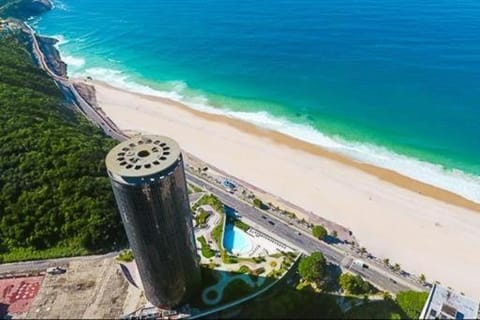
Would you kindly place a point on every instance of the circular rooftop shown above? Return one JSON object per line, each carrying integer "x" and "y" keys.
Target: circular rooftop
{"x": 142, "y": 156}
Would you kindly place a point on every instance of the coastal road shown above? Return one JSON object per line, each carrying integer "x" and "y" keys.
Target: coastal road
{"x": 72, "y": 95}
{"x": 304, "y": 242}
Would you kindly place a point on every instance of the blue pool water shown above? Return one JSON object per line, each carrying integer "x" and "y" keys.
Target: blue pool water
{"x": 236, "y": 240}
{"x": 392, "y": 83}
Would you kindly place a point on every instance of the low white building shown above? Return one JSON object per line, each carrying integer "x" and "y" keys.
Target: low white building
{"x": 443, "y": 303}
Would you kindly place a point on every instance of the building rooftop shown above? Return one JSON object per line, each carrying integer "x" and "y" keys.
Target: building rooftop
{"x": 142, "y": 156}
{"x": 443, "y": 303}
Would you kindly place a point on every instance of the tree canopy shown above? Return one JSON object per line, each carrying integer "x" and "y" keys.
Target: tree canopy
{"x": 319, "y": 232}
{"x": 355, "y": 284}
{"x": 54, "y": 192}
{"x": 312, "y": 268}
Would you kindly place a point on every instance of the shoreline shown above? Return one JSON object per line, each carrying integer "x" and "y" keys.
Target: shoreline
{"x": 387, "y": 175}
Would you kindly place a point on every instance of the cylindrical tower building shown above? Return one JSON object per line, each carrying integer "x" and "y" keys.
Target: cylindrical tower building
{"x": 148, "y": 180}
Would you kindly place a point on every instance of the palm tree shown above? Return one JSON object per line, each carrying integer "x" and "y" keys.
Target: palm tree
{"x": 422, "y": 278}
{"x": 396, "y": 267}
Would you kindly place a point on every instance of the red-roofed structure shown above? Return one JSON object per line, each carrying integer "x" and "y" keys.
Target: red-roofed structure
{"x": 18, "y": 293}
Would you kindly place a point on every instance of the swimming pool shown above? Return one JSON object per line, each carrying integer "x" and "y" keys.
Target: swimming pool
{"x": 235, "y": 240}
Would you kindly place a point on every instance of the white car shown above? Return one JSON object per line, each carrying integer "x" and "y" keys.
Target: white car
{"x": 56, "y": 270}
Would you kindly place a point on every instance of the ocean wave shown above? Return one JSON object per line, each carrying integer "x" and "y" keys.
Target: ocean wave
{"x": 74, "y": 62}
{"x": 61, "y": 40}
{"x": 57, "y": 4}
{"x": 453, "y": 180}
{"x": 121, "y": 80}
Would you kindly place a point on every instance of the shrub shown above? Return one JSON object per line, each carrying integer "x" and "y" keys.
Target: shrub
{"x": 244, "y": 269}
{"x": 125, "y": 256}
{"x": 258, "y": 271}
{"x": 258, "y": 203}
{"x": 258, "y": 259}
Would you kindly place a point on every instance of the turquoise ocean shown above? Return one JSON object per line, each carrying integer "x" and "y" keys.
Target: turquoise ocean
{"x": 392, "y": 83}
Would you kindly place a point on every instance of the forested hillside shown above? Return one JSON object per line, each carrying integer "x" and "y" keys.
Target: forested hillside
{"x": 55, "y": 197}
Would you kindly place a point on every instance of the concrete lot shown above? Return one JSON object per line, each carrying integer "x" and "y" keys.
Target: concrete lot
{"x": 89, "y": 289}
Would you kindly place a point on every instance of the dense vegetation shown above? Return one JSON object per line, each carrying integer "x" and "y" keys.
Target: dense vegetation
{"x": 55, "y": 197}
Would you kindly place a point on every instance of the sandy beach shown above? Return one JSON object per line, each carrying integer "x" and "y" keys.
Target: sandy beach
{"x": 423, "y": 228}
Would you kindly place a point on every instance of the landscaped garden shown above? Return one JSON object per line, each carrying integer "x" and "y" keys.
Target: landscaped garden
{"x": 228, "y": 276}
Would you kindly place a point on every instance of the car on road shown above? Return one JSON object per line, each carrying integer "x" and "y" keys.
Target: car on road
{"x": 263, "y": 217}
{"x": 271, "y": 222}
{"x": 56, "y": 270}
{"x": 360, "y": 263}
{"x": 393, "y": 281}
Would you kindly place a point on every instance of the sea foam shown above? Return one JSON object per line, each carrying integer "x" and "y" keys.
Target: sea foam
{"x": 73, "y": 62}
{"x": 455, "y": 181}
{"x": 59, "y": 5}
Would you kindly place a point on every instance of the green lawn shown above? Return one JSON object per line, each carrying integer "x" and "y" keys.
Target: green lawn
{"x": 376, "y": 310}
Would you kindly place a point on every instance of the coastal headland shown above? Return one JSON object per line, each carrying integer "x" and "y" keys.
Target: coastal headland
{"x": 425, "y": 229}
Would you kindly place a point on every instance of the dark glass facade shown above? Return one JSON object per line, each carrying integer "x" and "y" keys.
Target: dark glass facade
{"x": 156, "y": 215}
